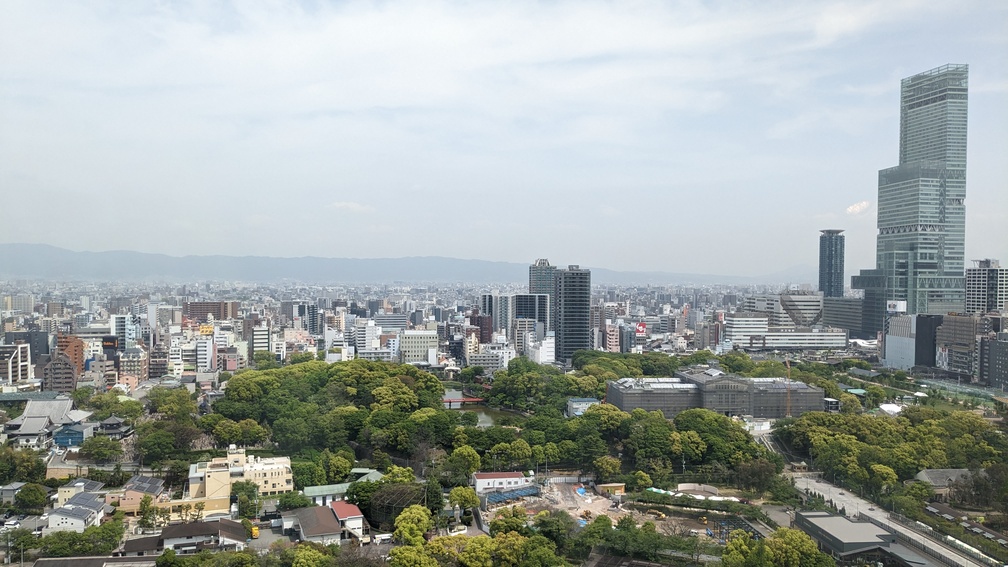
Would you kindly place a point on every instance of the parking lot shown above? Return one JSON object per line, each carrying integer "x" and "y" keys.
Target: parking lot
{"x": 33, "y": 523}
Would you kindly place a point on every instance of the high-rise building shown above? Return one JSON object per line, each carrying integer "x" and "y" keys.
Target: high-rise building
{"x": 572, "y": 290}
{"x": 986, "y": 287}
{"x": 59, "y": 373}
{"x": 541, "y": 280}
{"x": 831, "y": 263}
{"x": 921, "y": 203}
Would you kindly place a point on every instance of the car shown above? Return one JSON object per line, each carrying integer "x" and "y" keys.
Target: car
{"x": 22, "y": 517}
{"x": 871, "y": 508}
{"x": 44, "y": 516}
{"x": 841, "y": 493}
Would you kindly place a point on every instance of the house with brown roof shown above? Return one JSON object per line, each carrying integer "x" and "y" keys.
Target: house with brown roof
{"x": 317, "y": 524}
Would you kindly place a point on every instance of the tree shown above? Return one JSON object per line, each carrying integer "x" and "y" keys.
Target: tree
{"x": 156, "y": 446}
{"x": 511, "y": 519}
{"x": 784, "y": 548}
{"x": 399, "y": 475}
{"x": 337, "y": 467}
{"x": 293, "y": 501}
{"x": 147, "y": 512}
{"x": 411, "y": 524}
{"x": 308, "y": 474}
{"x": 411, "y": 556}
{"x": 464, "y": 497}
{"x": 299, "y": 357}
{"x": 226, "y": 432}
{"x": 264, "y": 360}
{"x": 30, "y": 497}
{"x": 101, "y": 449}
{"x": 607, "y": 467}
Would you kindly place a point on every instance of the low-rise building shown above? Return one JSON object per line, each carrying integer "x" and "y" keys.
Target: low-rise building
{"x": 74, "y": 487}
{"x": 316, "y": 524}
{"x": 941, "y": 480}
{"x": 73, "y": 435}
{"x": 78, "y": 513}
{"x": 497, "y": 481}
{"x": 190, "y": 538}
{"x": 132, "y": 493}
{"x": 323, "y": 495}
{"x": 213, "y": 479}
{"x": 856, "y": 542}
{"x": 577, "y": 406}
{"x": 767, "y": 398}
{"x": 9, "y": 491}
{"x": 351, "y": 520}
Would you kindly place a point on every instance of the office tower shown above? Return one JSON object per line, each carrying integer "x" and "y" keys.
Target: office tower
{"x": 986, "y": 287}
{"x": 572, "y": 290}
{"x": 831, "y": 263}
{"x": 921, "y": 203}
{"x": 541, "y": 280}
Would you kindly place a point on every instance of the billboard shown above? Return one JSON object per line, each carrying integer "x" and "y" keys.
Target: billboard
{"x": 206, "y": 329}
{"x": 641, "y": 328}
{"x": 896, "y": 307}
{"x": 110, "y": 343}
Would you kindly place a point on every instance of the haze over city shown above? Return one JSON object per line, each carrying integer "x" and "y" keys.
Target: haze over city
{"x": 716, "y": 138}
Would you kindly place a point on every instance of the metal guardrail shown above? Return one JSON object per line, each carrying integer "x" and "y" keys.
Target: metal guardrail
{"x": 940, "y": 536}
{"x": 910, "y": 542}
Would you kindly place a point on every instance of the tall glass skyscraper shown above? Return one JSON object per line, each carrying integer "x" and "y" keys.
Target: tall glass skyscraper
{"x": 572, "y": 289}
{"x": 831, "y": 263}
{"x": 541, "y": 280}
{"x": 921, "y": 203}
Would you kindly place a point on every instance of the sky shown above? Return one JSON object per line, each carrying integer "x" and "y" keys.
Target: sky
{"x": 700, "y": 137}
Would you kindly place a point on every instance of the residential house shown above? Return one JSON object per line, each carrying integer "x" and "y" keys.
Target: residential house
{"x": 317, "y": 524}
{"x": 352, "y": 521}
{"x": 9, "y": 491}
{"x": 80, "y": 512}
{"x": 129, "y": 497}
{"x": 74, "y": 487}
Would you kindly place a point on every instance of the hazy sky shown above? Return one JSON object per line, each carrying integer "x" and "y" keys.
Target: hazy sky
{"x": 712, "y": 137}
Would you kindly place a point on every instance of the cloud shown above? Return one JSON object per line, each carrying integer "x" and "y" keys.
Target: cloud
{"x": 350, "y": 206}
{"x": 858, "y": 208}
{"x": 480, "y": 111}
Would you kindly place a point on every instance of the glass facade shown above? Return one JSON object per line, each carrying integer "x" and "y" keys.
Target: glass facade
{"x": 831, "y": 263}
{"x": 573, "y": 311}
{"x": 921, "y": 202}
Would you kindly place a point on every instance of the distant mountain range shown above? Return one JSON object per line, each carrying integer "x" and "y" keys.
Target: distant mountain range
{"x": 41, "y": 261}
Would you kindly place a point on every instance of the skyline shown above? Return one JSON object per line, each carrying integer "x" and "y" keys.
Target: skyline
{"x": 504, "y": 133}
